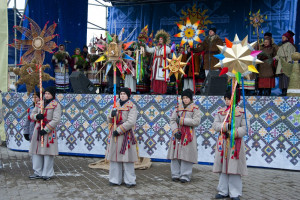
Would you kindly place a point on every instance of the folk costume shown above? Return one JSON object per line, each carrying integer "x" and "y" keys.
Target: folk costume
{"x": 188, "y": 77}
{"x": 266, "y": 79}
{"x": 78, "y": 62}
{"x": 183, "y": 144}
{"x": 93, "y": 69}
{"x": 209, "y": 46}
{"x": 121, "y": 150}
{"x": 230, "y": 162}
{"x": 43, "y": 157}
{"x": 60, "y": 61}
{"x": 29, "y": 122}
{"x": 285, "y": 52}
{"x": 159, "y": 75}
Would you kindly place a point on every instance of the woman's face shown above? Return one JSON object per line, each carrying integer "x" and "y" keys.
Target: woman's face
{"x": 35, "y": 98}
{"x": 161, "y": 40}
{"x": 77, "y": 51}
{"x": 186, "y": 100}
{"x": 48, "y": 95}
{"x": 227, "y": 101}
{"x": 123, "y": 96}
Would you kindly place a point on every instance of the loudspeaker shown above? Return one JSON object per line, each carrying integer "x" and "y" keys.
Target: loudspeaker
{"x": 215, "y": 85}
{"x": 81, "y": 84}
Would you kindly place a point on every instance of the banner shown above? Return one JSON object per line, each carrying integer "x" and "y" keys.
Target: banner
{"x": 272, "y": 140}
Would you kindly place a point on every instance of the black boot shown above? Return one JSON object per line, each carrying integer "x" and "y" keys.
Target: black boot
{"x": 284, "y": 92}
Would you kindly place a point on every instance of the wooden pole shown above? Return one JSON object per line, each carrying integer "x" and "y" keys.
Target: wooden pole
{"x": 41, "y": 102}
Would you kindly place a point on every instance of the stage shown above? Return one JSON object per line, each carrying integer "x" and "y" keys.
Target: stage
{"x": 272, "y": 140}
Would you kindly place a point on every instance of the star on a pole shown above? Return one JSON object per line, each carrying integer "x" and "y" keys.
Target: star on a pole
{"x": 175, "y": 66}
{"x": 237, "y": 56}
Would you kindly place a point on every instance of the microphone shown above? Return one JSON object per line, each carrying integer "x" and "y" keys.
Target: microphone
{"x": 67, "y": 41}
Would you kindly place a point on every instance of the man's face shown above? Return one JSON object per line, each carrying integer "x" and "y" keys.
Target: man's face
{"x": 211, "y": 33}
{"x": 85, "y": 49}
{"x": 61, "y": 48}
{"x": 267, "y": 42}
{"x": 77, "y": 51}
{"x": 123, "y": 96}
{"x": 284, "y": 38}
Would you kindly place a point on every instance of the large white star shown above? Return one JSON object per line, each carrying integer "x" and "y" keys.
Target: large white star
{"x": 237, "y": 56}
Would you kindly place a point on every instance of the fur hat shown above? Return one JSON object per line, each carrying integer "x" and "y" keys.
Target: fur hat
{"x": 188, "y": 93}
{"x": 51, "y": 90}
{"x": 227, "y": 95}
{"x": 238, "y": 94}
{"x": 268, "y": 34}
{"x": 213, "y": 29}
{"x": 126, "y": 90}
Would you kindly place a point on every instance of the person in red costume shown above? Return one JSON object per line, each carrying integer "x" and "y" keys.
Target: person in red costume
{"x": 159, "y": 75}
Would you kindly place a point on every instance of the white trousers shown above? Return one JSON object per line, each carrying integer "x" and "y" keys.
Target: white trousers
{"x": 181, "y": 169}
{"x": 206, "y": 72}
{"x": 43, "y": 165}
{"x": 230, "y": 184}
{"x": 188, "y": 84}
{"x": 116, "y": 173}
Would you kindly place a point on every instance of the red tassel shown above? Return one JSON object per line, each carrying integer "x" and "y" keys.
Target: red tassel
{"x": 48, "y": 145}
{"x": 185, "y": 76}
{"x": 128, "y": 146}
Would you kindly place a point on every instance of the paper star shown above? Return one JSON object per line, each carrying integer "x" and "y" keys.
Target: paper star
{"x": 238, "y": 57}
{"x": 175, "y": 66}
{"x": 189, "y": 32}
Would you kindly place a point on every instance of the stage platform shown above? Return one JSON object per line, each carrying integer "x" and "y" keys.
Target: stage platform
{"x": 272, "y": 140}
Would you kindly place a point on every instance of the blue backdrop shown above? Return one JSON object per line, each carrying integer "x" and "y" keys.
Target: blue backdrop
{"x": 227, "y": 16}
{"x": 71, "y": 19}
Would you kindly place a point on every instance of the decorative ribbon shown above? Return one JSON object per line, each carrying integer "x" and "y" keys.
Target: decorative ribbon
{"x": 193, "y": 67}
{"x": 164, "y": 57}
{"x": 244, "y": 102}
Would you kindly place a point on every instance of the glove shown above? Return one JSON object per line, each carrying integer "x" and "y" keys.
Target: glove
{"x": 177, "y": 135}
{"x": 39, "y": 116}
{"x": 226, "y": 135}
{"x": 26, "y": 136}
{"x": 178, "y": 120}
{"x": 114, "y": 113}
{"x": 43, "y": 132}
{"x": 229, "y": 127}
{"x": 115, "y": 133}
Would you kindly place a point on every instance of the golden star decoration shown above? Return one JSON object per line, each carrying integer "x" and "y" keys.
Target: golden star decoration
{"x": 189, "y": 32}
{"x": 175, "y": 66}
{"x": 29, "y": 75}
{"x": 238, "y": 58}
{"x": 257, "y": 19}
{"x": 38, "y": 41}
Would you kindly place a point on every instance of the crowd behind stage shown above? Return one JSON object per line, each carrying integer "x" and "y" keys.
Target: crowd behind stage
{"x": 83, "y": 60}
